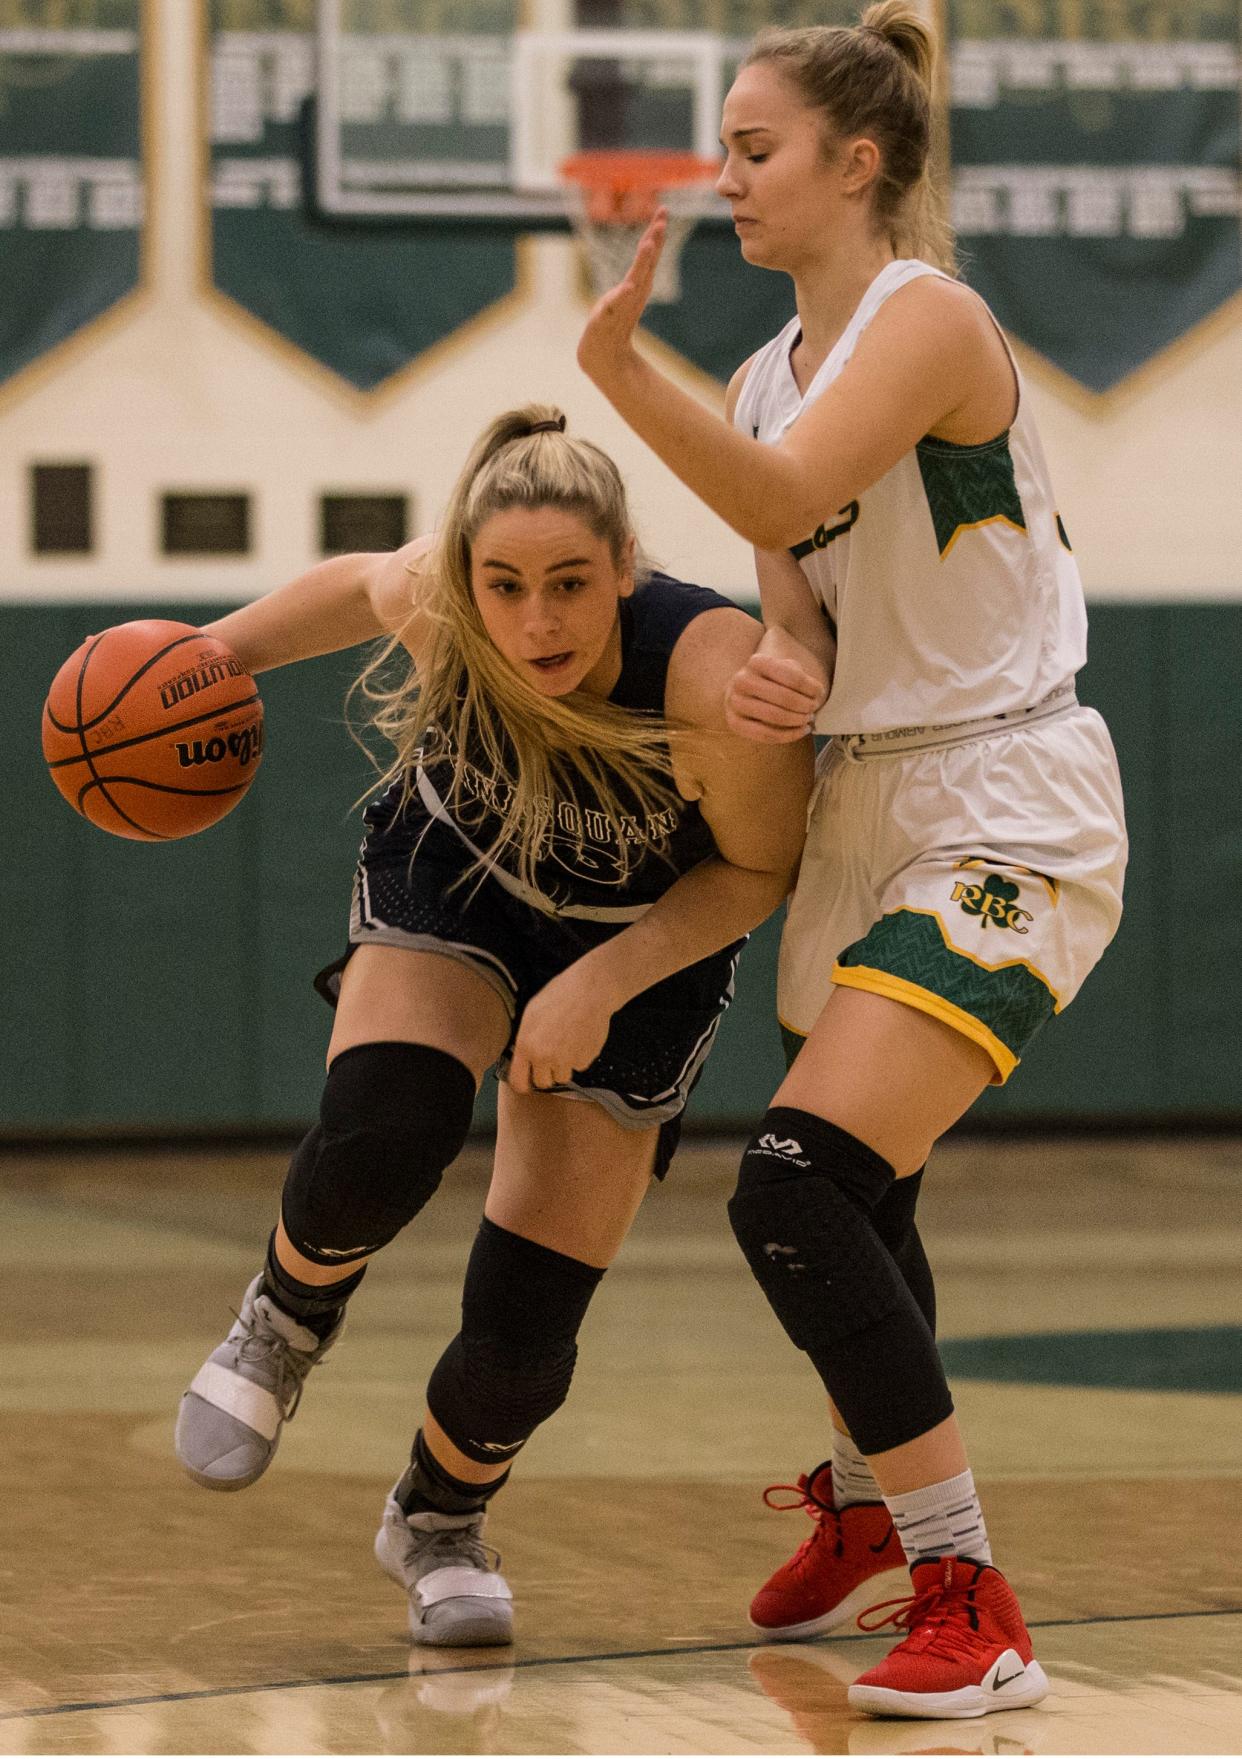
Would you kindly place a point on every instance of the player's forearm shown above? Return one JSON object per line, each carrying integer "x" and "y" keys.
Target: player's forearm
{"x": 327, "y": 608}
{"x": 812, "y": 647}
{"x": 713, "y": 905}
{"x": 756, "y": 489}
{"x": 791, "y": 609}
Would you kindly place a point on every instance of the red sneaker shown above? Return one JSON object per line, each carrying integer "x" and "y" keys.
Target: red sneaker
{"x": 968, "y": 1650}
{"x": 834, "y": 1574}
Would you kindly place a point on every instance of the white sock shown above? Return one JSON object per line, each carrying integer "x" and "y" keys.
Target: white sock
{"x": 852, "y": 1480}
{"x": 942, "y": 1520}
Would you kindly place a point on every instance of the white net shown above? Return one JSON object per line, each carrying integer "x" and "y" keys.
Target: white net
{"x": 608, "y": 236}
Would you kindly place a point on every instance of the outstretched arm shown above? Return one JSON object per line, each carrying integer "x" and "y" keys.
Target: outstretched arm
{"x": 755, "y": 803}
{"x": 336, "y": 604}
{"x": 929, "y": 354}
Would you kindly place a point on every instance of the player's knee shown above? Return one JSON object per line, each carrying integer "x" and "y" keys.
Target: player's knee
{"x": 893, "y": 1220}
{"x": 801, "y": 1213}
{"x": 510, "y": 1367}
{"x": 893, "y": 1215}
{"x": 392, "y": 1117}
{"x": 804, "y": 1213}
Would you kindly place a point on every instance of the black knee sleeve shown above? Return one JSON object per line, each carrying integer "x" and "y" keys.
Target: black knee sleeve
{"x": 893, "y": 1220}
{"x": 802, "y": 1214}
{"x": 392, "y": 1117}
{"x": 510, "y": 1366}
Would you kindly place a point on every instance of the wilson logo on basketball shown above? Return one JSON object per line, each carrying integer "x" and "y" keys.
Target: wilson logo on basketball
{"x": 243, "y": 747}
{"x": 202, "y": 678}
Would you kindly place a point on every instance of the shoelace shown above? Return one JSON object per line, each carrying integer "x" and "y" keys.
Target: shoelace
{"x": 818, "y": 1511}
{"x": 934, "y": 1620}
{"x": 454, "y": 1545}
{"x": 268, "y": 1347}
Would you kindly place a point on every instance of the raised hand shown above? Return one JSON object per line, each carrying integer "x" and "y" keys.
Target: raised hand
{"x": 609, "y": 334}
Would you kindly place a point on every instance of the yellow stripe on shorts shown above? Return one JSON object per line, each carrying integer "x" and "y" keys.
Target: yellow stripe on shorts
{"x": 900, "y": 989}
{"x": 909, "y": 956}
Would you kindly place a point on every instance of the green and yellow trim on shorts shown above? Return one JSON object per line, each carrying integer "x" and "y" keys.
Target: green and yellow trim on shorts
{"x": 909, "y": 957}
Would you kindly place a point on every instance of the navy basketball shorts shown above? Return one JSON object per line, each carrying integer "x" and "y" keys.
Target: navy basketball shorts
{"x": 409, "y": 892}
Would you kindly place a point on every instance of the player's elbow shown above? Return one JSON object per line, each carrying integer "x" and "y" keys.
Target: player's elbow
{"x": 386, "y": 589}
{"x": 786, "y": 872}
{"x": 761, "y": 530}
{"x": 774, "y": 880}
{"x": 778, "y": 522}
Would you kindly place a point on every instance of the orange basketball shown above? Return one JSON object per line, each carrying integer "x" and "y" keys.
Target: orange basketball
{"x": 153, "y": 730}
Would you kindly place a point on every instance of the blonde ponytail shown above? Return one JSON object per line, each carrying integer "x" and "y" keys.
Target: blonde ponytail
{"x": 905, "y": 28}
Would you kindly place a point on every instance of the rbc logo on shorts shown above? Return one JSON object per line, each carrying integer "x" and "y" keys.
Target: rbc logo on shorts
{"x": 994, "y": 901}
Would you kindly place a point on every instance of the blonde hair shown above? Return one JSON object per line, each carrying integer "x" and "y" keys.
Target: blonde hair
{"x": 465, "y": 692}
{"x": 876, "y": 78}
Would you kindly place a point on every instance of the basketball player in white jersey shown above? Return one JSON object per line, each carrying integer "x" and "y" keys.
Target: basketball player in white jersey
{"x": 966, "y": 845}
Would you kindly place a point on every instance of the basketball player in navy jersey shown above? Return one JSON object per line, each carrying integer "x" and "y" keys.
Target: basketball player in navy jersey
{"x": 556, "y": 881}
{"x": 966, "y": 847}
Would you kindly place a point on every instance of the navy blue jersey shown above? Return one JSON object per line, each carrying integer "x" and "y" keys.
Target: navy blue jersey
{"x": 592, "y": 863}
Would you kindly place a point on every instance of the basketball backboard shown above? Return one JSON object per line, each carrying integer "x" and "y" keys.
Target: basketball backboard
{"x": 474, "y": 124}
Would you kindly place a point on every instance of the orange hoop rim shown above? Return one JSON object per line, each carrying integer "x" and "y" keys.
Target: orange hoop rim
{"x": 634, "y": 171}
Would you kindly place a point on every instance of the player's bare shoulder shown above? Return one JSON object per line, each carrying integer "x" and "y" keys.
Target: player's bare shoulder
{"x": 395, "y": 582}
{"x": 753, "y": 796}
{"x": 942, "y": 333}
{"x": 942, "y": 316}
{"x": 709, "y": 650}
{"x": 734, "y": 388}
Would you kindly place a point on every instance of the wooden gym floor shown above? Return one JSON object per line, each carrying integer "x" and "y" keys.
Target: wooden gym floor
{"x": 1091, "y": 1302}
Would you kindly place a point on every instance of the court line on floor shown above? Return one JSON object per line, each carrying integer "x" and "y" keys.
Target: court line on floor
{"x": 532, "y": 1661}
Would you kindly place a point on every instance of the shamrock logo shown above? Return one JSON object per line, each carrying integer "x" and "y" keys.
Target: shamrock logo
{"x": 994, "y": 901}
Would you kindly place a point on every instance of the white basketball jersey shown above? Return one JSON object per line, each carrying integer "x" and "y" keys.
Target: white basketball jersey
{"x": 950, "y": 582}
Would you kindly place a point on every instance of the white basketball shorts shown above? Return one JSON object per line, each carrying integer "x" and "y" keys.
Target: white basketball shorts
{"x": 975, "y": 874}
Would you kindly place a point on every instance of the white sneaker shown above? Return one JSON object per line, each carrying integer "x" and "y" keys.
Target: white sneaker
{"x": 234, "y": 1409}
{"x": 457, "y": 1595}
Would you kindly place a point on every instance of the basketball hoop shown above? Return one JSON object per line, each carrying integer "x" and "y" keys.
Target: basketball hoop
{"x": 611, "y": 198}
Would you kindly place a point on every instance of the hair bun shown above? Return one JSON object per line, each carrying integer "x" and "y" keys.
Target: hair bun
{"x": 905, "y": 30}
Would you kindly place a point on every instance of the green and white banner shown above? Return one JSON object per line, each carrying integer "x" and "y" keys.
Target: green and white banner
{"x": 71, "y": 175}
{"x": 1096, "y": 160}
{"x": 365, "y": 301}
